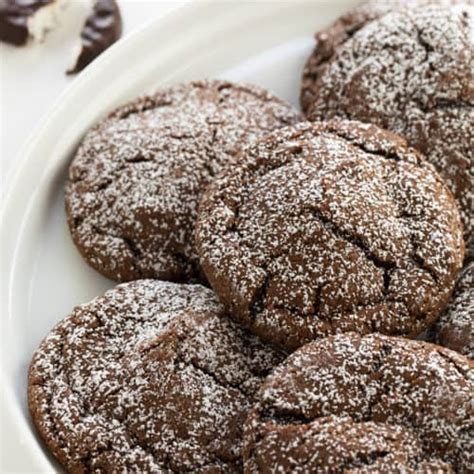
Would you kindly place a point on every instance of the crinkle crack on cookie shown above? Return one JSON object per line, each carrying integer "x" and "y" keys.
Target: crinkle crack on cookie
{"x": 364, "y": 404}
{"x": 409, "y": 71}
{"x": 136, "y": 180}
{"x": 330, "y": 227}
{"x": 149, "y": 377}
{"x": 344, "y": 28}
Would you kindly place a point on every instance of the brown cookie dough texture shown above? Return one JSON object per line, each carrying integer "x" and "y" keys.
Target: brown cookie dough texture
{"x": 409, "y": 71}
{"x": 150, "y": 377}
{"x": 358, "y": 404}
{"x": 136, "y": 180}
{"x": 330, "y": 227}
{"x": 455, "y": 328}
{"x": 347, "y": 25}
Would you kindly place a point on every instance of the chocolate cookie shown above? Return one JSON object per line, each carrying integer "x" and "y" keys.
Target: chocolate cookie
{"x": 364, "y": 404}
{"x": 347, "y": 25}
{"x": 150, "y": 377}
{"x": 330, "y": 227}
{"x": 409, "y": 71}
{"x": 136, "y": 180}
{"x": 455, "y": 327}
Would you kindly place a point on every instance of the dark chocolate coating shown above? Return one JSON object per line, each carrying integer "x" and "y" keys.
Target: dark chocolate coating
{"x": 102, "y": 28}
{"x": 14, "y": 16}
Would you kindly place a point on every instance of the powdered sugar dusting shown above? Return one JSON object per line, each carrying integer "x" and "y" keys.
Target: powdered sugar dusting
{"x": 137, "y": 178}
{"x": 345, "y": 27}
{"x": 330, "y": 227}
{"x": 455, "y": 328}
{"x": 364, "y": 404}
{"x": 150, "y": 377}
{"x": 409, "y": 71}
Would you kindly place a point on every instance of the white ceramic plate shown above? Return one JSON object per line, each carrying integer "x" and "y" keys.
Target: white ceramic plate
{"x": 43, "y": 276}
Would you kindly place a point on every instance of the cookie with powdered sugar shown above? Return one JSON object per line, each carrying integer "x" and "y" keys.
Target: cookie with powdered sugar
{"x": 137, "y": 177}
{"x": 455, "y": 328}
{"x": 344, "y": 28}
{"x": 149, "y": 377}
{"x": 357, "y": 404}
{"x": 409, "y": 71}
{"x": 329, "y": 227}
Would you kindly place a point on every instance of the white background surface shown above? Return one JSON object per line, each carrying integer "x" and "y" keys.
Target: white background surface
{"x": 32, "y": 77}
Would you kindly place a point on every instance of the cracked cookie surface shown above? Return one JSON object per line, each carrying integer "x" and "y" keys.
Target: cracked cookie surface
{"x": 329, "y": 227}
{"x": 344, "y": 28}
{"x": 149, "y": 377}
{"x": 409, "y": 71}
{"x": 359, "y": 404}
{"x": 137, "y": 177}
{"x": 455, "y": 328}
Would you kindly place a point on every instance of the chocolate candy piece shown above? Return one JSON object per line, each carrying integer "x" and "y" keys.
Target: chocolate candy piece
{"x": 102, "y": 28}
{"x": 17, "y": 22}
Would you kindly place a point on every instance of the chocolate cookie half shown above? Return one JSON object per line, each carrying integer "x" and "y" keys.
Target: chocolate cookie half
{"x": 136, "y": 180}
{"x": 364, "y": 404}
{"x": 150, "y": 377}
{"x": 409, "y": 71}
{"x": 330, "y": 227}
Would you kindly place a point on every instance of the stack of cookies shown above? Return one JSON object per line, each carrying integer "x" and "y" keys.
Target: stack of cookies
{"x": 279, "y": 269}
